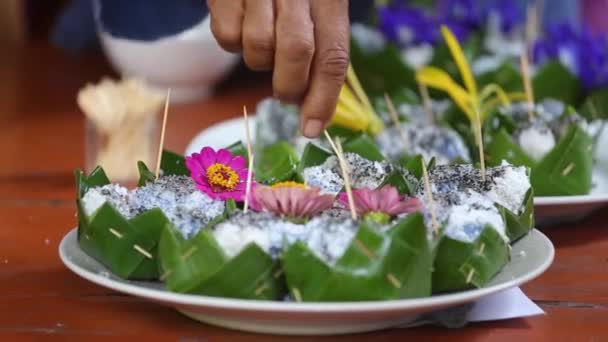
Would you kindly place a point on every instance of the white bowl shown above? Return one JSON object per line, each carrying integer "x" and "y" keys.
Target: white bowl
{"x": 190, "y": 63}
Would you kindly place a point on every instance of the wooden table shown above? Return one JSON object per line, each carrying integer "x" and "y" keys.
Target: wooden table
{"x": 41, "y": 143}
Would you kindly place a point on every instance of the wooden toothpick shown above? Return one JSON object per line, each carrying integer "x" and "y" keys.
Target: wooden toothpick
{"x": 116, "y": 233}
{"x": 250, "y": 158}
{"x": 479, "y": 136}
{"x": 363, "y": 249}
{"x": 142, "y": 251}
{"x": 525, "y": 74}
{"x": 531, "y": 25}
{"x": 395, "y": 118}
{"x": 426, "y": 102}
{"x": 162, "y": 134}
{"x": 394, "y": 280}
{"x": 429, "y": 197}
{"x": 337, "y": 147}
{"x": 296, "y": 294}
{"x": 470, "y": 275}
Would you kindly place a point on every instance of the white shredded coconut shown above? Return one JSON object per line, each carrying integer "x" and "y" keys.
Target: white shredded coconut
{"x": 509, "y": 190}
{"x": 442, "y": 143}
{"x": 536, "y": 142}
{"x": 465, "y": 203}
{"x": 467, "y": 220}
{"x": 233, "y": 238}
{"x": 177, "y": 196}
{"x": 363, "y": 173}
{"x": 116, "y": 195}
{"x": 327, "y": 235}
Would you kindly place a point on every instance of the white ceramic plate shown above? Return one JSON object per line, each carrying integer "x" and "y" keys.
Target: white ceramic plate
{"x": 548, "y": 210}
{"x": 530, "y": 257}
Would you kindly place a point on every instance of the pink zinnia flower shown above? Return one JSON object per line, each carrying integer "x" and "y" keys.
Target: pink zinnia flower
{"x": 381, "y": 204}
{"x": 219, "y": 174}
{"x": 292, "y": 200}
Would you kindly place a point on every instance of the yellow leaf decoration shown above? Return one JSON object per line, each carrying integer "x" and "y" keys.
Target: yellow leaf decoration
{"x": 354, "y": 110}
{"x": 439, "y": 79}
{"x": 460, "y": 60}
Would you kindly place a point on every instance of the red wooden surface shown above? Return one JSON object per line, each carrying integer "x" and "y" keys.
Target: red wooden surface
{"x": 41, "y": 135}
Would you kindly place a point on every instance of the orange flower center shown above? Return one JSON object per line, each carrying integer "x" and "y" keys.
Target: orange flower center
{"x": 222, "y": 177}
{"x": 288, "y": 184}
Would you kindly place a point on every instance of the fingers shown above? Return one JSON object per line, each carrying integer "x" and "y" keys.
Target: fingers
{"x": 258, "y": 34}
{"x": 330, "y": 64}
{"x": 295, "y": 47}
{"x": 226, "y": 23}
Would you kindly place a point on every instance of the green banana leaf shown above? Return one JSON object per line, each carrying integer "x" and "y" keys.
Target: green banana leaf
{"x": 145, "y": 175}
{"x": 520, "y": 224}
{"x": 503, "y": 147}
{"x": 199, "y": 266}
{"x": 277, "y": 162}
{"x": 340, "y": 131}
{"x": 595, "y": 106}
{"x": 555, "y": 81}
{"x": 313, "y": 155}
{"x": 364, "y": 146}
{"x": 376, "y": 266}
{"x": 239, "y": 149}
{"x": 507, "y": 76}
{"x": 172, "y": 163}
{"x": 567, "y": 168}
{"x": 127, "y": 247}
{"x": 461, "y": 265}
{"x": 564, "y": 171}
{"x": 383, "y": 71}
{"x": 396, "y": 179}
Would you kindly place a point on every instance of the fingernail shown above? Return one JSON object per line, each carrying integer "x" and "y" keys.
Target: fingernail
{"x": 312, "y": 128}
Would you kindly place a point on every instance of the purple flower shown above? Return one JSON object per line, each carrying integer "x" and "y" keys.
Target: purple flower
{"x": 218, "y": 174}
{"x": 381, "y": 203}
{"x": 291, "y": 200}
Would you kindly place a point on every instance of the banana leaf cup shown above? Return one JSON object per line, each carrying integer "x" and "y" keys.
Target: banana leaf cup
{"x": 565, "y": 170}
{"x": 127, "y": 247}
{"x": 200, "y": 266}
{"x": 376, "y": 265}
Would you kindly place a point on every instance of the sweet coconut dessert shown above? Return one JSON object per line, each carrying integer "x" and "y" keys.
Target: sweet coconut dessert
{"x": 553, "y": 141}
{"x": 202, "y": 228}
{"x": 430, "y": 141}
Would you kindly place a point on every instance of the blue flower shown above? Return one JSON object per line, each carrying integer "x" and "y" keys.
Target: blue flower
{"x": 584, "y": 53}
{"x": 406, "y": 25}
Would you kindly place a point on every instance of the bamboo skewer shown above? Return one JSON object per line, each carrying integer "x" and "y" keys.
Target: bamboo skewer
{"x": 525, "y": 74}
{"x": 162, "y": 134}
{"x": 393, "y": 280}
{"x": 479, "y": 136}
{"x": 395, "y": 118}
{"x": 250, "y": 158}
{"x": 426, "y": 102}
{"x": 337, "y": 147}
{"x": 429, "y": 196}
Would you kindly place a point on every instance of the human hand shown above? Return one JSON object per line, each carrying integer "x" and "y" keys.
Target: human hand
{"x": 304, "y": 42}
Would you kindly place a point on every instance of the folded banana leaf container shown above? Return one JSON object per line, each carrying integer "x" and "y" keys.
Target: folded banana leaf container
{"x": 365, "y": 147}
{"x": 200, "y": 266}
{"x": 127, "y": 247}
{"x": 376, "y": 266}
{"x": 564, "y": 171}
